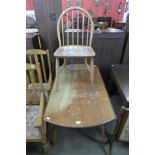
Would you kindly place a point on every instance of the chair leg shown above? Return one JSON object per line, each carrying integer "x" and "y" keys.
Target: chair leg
{"x": 65, "y": 62}
{"x": 45, "y": 147}
{"x": 57, "y": 73}
{"x": 110, "y": 148}
{"x": 53, "y": 135}
{"x": 92, "y": 71}
{"x": 86, "y": 64}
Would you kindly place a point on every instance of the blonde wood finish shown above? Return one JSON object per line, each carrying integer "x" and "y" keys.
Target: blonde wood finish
{"x": 35, "y": 54}
{"x": 72, "y": 10}
{"x": 92, "y": 72}
{"x": 32, "y": 79}
{"x": 67, "y": 32}
{"x": 76, "y": 104}
{"x": 57, "y": 73}
{"x": 43, "y": 67}
{"x": 32, "y": 96}
{"x": 39, "y": 122}
{"x": 82, "y": 27}
{"x": 74, "y": 51}
{"x": 72, "y": 27}
{"x": 79, "y": 50}
{"x": 39, "y": 119}
{"x": 77, "y": 27}
{"x": 87, "y": 33}
{"x": 62, "y": 29}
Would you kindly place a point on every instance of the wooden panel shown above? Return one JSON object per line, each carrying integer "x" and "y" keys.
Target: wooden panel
{"x": 46, "y": 26}
{"x": 126, "y": 54}
{"x": 108, "y": 48}
{"x": 121, "y": 77}
{"x": 76, "y": 104}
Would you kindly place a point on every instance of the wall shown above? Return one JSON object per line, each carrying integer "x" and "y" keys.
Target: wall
{"x": 29, "y": 5}
{"x": 98, "y": 10}
{"x": 90, "y": 5}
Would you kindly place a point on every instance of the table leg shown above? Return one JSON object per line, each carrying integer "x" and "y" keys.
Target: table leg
{"x": 103, "y": 134}
{"x": 53, "y": 135}
{"x": 57, "y": 73}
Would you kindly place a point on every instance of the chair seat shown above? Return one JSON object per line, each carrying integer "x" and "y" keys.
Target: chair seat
{"x": 31, "y": 114}
{"x": 37, "y": 87}
{"x": 74, "y": 51}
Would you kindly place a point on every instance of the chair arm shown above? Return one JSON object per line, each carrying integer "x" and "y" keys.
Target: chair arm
{"x": 39, "y": 119}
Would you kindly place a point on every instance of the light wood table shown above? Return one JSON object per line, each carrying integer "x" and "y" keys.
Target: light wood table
{"x": 76, "y": 105}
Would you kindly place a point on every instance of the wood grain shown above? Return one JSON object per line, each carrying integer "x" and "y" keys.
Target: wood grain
{"x": 71, "y": 10}
{"x": 74, "y": 51}
{"x": 76, "y": 104}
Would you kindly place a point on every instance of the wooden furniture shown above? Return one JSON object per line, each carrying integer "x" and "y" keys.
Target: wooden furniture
{"x": 43, "y": 57}
{"x": 119, "y": 24}
{"x": 35, "y": 105}
{"x": 120, "y": 75}
{"x": 105, "y": 19}
{"x": 74, "y": 49}
{"x": 76, "y": 105}
{"x": 29, "y": 40}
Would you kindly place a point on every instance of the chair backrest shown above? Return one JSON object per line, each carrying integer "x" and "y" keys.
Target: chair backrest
{"x": 80, "y": 22}
{"x": 43, "y": 57}
{"x": 33, "y": 73}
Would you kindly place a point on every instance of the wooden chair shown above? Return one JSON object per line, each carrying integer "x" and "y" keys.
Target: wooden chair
{"x": 43, "y": 57}
{"x": 35, "y": 105}
{"x": 76, "y": 48}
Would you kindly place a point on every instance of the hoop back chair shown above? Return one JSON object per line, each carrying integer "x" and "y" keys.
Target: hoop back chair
{"x": 35, "y": 106}
{"x": 43, "y": 57}
{"x": 76, "y": 46}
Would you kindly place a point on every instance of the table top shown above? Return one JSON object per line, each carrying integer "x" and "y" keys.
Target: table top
{"x": 76, "y": 104}
{"x": 120, "y": 74}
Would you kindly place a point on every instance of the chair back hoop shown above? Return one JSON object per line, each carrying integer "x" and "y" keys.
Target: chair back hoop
{"x": 33, "y": 72}
{"x": 86, "y": 27}
{"x": 38, "y": 55}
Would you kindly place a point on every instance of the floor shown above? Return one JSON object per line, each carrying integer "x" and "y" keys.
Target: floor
{"x": 87, "y": 141}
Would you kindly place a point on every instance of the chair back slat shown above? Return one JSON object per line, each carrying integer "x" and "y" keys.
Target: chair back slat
{"x": 72, "y": 27}
{"x": 49, "y": 62}
{"x": 40, "y": 77}
{"x": 62, "y": 30}
{"x": 30, "y": 59}
{"x": 42, "y": 57}
{"x": 43, "y": 67}
{"x": 82, "y": 27}
{"x": 67, "y": 31}
{"x": 32, "y": 79}
{"x": 79, "y": 28}
{"x": 32, "y": 92}
{"x": 31, "y": 62}
{"x": 87, "y": 33}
